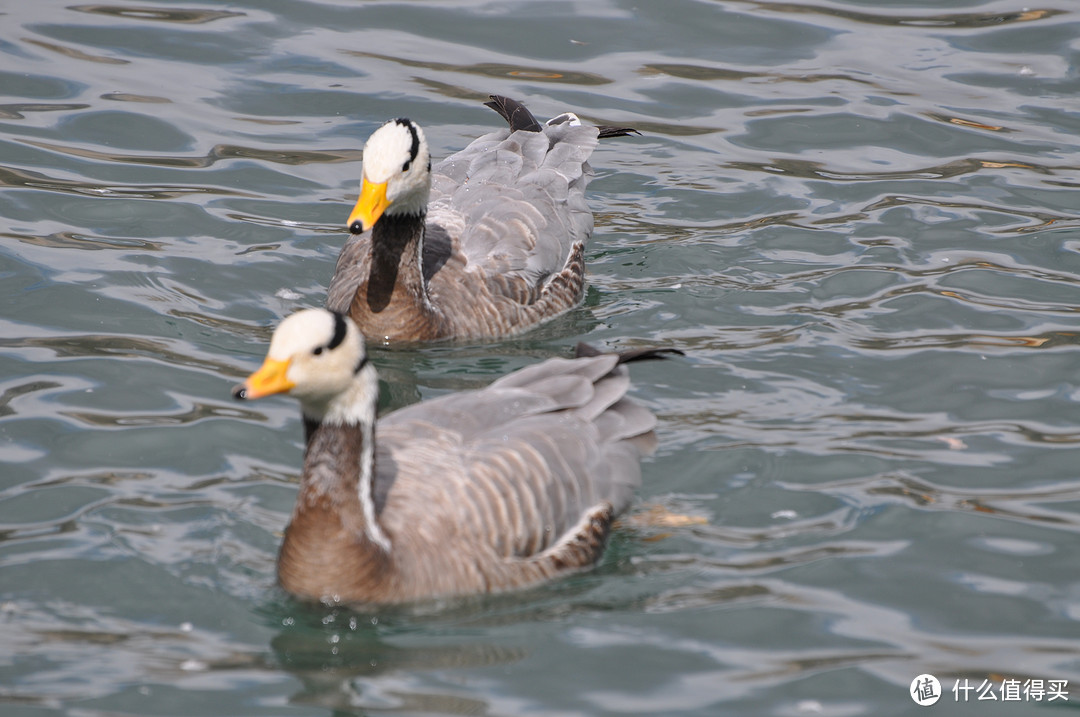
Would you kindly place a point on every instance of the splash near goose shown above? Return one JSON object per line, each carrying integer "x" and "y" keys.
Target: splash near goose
{"x": 487, "y": 243}
{"x": 473, "y": 492}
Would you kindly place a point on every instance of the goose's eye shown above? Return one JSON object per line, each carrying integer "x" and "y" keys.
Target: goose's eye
{"x": 317, "y": 350}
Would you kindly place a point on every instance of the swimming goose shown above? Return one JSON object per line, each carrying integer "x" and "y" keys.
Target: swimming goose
{"x": 473, "y": 492}
{"x": 487, "y": 243}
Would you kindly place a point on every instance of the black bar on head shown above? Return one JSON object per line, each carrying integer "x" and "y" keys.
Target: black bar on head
{"x": 414, "y": 149}
{"x": 340, "y": 328}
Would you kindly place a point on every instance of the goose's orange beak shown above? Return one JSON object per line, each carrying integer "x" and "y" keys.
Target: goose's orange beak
{"x": 369, "y": 207}
{"x": 268, "y": 380}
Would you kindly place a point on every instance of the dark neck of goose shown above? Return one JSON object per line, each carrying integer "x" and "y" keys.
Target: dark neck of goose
{"x": 310, "y": 424}
{"x": 333, "y": 540}
{"x": 397, "y": 250}
{"x": 334, "y": 462}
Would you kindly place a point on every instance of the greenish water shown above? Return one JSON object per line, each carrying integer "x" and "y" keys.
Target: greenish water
{"x": 858, "y": 219}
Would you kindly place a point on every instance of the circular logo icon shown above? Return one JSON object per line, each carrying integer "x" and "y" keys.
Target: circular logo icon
{"x": 925, "y": 690}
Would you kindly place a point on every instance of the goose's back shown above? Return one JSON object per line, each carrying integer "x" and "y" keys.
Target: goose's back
{"x": 475, "y": 487}
{"x": 514, "y": 202}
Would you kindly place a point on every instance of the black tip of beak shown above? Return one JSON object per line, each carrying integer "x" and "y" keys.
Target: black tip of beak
{"x": 356, "y": 227}
{"x": 239, "y": 393}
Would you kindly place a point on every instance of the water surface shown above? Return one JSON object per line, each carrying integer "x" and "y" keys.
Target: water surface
{"x": 858, "y": 219}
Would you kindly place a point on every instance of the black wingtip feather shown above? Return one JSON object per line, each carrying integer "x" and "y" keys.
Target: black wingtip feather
{"x": 518, "y": 116}
{"x": 583, "y": 350}
{"x": 606, "y": 131}
{"x": 515, "y": 113}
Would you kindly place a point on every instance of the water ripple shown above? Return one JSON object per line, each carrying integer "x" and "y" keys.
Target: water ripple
{"x": 859, "y": 221}
{"x": 1029, "y": 504}
{"x": 944, "y": 20}
{"x": 494, "y": 70}
{"x": 216, "y": 154}
{"x": 157, "y": 14}
{"x": 25, "y": 179}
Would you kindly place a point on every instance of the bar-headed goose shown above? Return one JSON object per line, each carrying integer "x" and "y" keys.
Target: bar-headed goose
{"x": 472, "y": 492}
{"x": 487, "y": 243}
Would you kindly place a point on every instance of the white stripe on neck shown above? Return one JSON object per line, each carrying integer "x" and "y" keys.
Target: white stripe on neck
{"x": 367, "y": 489}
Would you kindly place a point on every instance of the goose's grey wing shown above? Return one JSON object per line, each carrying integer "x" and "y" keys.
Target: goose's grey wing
{"x": 524, "y": 461}
{"x": 515, "y": 201}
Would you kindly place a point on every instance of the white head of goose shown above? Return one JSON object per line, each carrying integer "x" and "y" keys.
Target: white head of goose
{"x": 486, "y": 243}
{"x": 472, "y": 492}
{"x": 392, "y": 185}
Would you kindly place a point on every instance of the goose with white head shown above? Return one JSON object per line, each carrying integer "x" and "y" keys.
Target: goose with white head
{"x": 473, "y": 492}
{"x": 487, "y": 243}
